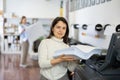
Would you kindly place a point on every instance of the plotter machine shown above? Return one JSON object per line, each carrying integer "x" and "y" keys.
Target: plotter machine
{"x": 108, "y": 64}
{"x": 102, "y": 67}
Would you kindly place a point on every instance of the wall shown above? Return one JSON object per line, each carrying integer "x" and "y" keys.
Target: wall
{"x": 33, "y": 8}
{"x": 105, "y": 13}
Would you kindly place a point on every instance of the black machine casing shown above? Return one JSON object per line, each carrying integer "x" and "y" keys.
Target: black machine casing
{"x": 110, "y": 63}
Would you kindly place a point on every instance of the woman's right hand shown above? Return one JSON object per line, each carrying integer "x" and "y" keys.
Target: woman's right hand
{"x": 66, "y": 58}
{"x": 62, "y": 58}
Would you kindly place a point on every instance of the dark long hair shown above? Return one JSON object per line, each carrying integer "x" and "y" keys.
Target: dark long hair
{"x": 55, "y": 21}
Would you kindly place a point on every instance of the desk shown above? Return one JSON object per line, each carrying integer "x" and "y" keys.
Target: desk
{"x": 83, "y": 72}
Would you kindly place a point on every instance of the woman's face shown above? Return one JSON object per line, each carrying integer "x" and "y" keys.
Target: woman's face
{"x": 24, "y": 21}
{"x": 59, "y": 29}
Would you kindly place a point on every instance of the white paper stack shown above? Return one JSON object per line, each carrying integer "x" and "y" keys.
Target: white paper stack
{"x": 79, "y": 52}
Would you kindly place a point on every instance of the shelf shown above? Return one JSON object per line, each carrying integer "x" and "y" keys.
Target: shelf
{"x": 11, "y": 39}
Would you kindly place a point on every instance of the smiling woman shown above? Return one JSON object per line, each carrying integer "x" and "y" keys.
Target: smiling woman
{"x": 55, "y": 68}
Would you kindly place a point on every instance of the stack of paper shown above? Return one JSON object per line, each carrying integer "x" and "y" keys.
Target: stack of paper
{"x": 79, "y": 52}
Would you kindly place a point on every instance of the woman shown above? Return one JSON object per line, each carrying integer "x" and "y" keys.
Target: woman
{"x": 55, "y": 68}
{"x": 24, "y": 42}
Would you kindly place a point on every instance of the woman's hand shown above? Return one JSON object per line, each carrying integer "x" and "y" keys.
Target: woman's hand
{"x": 62, "y": 58}
{"x": 66, "y": 58}
{"x": 72, "y": 73}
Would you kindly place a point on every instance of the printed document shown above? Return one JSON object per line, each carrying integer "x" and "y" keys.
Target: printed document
{"x": 79, "y": 52}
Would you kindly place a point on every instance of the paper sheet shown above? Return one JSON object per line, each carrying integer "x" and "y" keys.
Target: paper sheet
{"x": 85, "y": 48}
{"x": 78, "y": 53}
{"x": 35, "y": 31}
